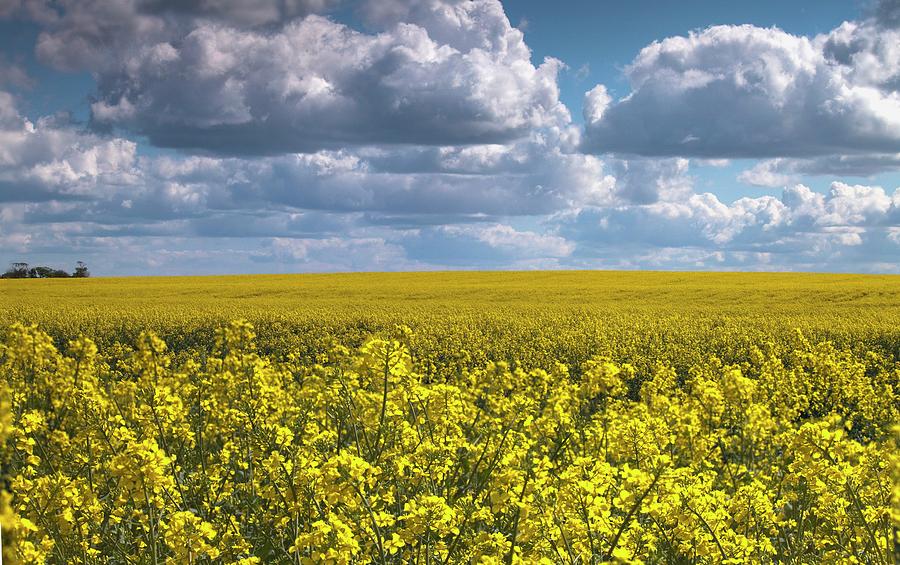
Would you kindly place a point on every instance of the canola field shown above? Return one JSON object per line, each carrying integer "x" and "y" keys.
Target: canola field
{"x": 548, "y": 417}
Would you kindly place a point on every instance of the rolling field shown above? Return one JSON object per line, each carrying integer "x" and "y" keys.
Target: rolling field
{"x": 453, "y": 417}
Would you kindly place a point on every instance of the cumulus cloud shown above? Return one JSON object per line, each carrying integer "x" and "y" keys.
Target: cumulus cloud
{"x": 645, "y": 181}
{"x": 92, "y": 34}
{"x": 802, "y": 229}
{"x": 204, "y": 75}
{"x": 52, "y": 159}
{"x": 744, "y": 91}
{"x": 769, "y": 173}
{"x": 464, "y": 25}
{"x": 317, "y": 84}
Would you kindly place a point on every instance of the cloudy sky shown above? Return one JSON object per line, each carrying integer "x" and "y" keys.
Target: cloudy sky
{"x": 233, "y": 136}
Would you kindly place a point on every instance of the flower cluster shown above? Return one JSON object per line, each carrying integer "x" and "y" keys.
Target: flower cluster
{"x": 373, "y": 455}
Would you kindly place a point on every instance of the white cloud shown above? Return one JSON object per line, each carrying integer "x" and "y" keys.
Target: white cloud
{"x": 767, "y": 173}
{"x": 744, "y": 91}
{"x": 894, "y": 234}
{"x": 644, "y": 181}
{"x": 337, "y": 254}
{"x": 802, "y": 230}
{"x": 715, "y": 163}
{"x": 51, "y": 159}
{"x": 521, "y": 243}
{"x": 857, "y": 204}
{"x": 596, "y": 102}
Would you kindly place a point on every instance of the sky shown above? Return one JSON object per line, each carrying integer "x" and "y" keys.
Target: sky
{"x": 164, "y": 137}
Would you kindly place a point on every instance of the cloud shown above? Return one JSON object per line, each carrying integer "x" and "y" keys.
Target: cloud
{"x": 427, "y": 138}
{"x": 318, "y": 84}
{"x": 520, "y": 243}
{"x": 454, "y": 245}
{"x": 583, "y": 72}
{"x": 852, "y": 228}
{"x": 527, "y": 204}
{"x": 769, "y": 173}
{"x": 784, "y": 171}
{"x": 463, "y": 25}
{"x": 91, "y": 34}
{"x": 530, "y": 177}
{"x": 55, "y": 160}
{"x": 41, "y": 11}
{"x": 645, "y": 181}
{"x": 239, "y": 12}
{"x": 849, "y": 205}
{"x": 104, "y": 179}
{"x": 51, "y": 159}
{"x": 744, "y": 91}
{"x": 493, "y": 245}
{"x": 203, "y": 75}
{"x": 887, "y": 13}
{"x": 336, "y": 254}
{"x": 801, "y": 230}
{"x": 13, "y": 75}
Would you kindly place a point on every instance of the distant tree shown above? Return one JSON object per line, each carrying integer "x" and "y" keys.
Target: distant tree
{"x": 47, "y": 273}
{"x": 21, "y": 270}
{"x": 81, "y": 270}
{"x": 16, "y": 271}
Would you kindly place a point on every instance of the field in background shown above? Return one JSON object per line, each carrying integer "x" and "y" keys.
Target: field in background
{"x": 553, "y": 417}
{"x": 465, "y": 319}
{"x": 802, "y": 295}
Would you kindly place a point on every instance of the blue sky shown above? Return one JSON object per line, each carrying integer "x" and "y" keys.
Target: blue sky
{"x": 150, "y": 137}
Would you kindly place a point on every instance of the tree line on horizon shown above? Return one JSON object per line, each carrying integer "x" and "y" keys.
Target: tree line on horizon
{"x": 20, "y": 270}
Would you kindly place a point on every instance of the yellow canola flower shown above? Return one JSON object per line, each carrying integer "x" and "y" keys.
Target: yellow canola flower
{"x": 361, "y": 448}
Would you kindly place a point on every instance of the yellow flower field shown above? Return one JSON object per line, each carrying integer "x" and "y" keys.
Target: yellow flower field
{"x": 451, "y": 418}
